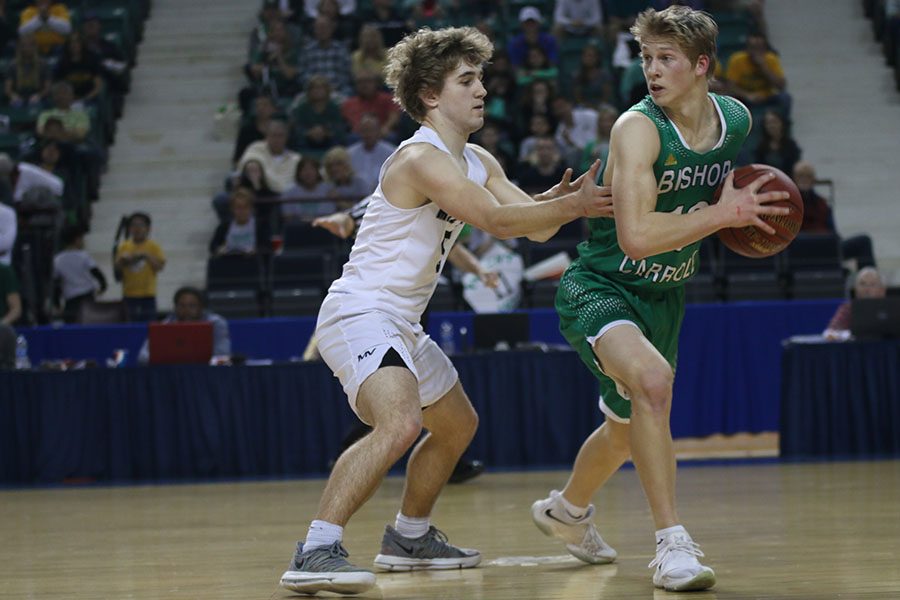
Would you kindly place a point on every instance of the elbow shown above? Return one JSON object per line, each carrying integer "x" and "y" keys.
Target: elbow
{"x": 499, "y": 226}
{"x": 633, "y": 248}
{"x": 541, "y": 236}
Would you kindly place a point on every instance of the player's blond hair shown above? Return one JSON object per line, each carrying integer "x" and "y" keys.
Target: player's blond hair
{"x": 422, "y": 60}
{"x": 694, "y": 31}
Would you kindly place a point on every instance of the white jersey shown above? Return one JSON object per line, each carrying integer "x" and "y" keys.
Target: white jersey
{"x": 399, "y": 252}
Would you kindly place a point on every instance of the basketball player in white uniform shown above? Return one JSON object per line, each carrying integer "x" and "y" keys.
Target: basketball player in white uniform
{"x": 396, "y": 378}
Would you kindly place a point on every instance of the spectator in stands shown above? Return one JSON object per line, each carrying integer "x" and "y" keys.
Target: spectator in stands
{"x": 242, "y": 233}
{"x": 49, "y": 22}
{"x": 50, "y": 160}
{"x": 311, "y": 8}
{"x": 254, "y": 126}
{"x": 818, "y": 218}
{"x": 28, "y": 180}
{"x": 317, "y": 121}
{"x": 76, "y": 277}
{"x": 326, "y": 56}
{"x": 273, "y": 66}
{"x": 369, "y": 153}
{"x": 113, "y": 62}
{"x": 777, "y": 146}
{"x": 592, "y": 84}
{"x": 536, "y": 66}
{"x": 112, "y": 59}
{"x": 598, "y": 149}
{"x": 81, "y": 67}
{"x": 575, "y": 129}
{"x": 342, "y": 182}
{"x": 868, "y": 284}
{"x": 632, "y": 85}
{"x": 577, "y": 18}
{"x": 491, "y": 137}
{"x": 545, "y": 165}
{"x": 76, "y": 123}
{"x": 8, "y": 25}
{"x": 371, "y": 99}
{"x": 28, "y": 78}
{"x": 540, "y": 127}
{"x": 278, "y": 162}
{"x": 10, "y": 311}
{"x": 268, "y": 13}
{"x": 756, "y": 77}
{"x": 75, "y": 129}
{"x": 500, "y": 83}
{"x": 345, "y": 25}
{"x": 190, "y": 306}
{"x": 139, "y": 259}
{"x": 530, "y": 21}
{"x": 370, "y": 56}
{"x": 252, "y": 176}
{"x": 311, "y": 191}
{"x": 9, "y": 229}
{"x": 537, "y": 99}
{"x": 817, "y": 215}
{"x": 387, "y": 18}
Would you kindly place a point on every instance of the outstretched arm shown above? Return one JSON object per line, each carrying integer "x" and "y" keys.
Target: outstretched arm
{"x": 425, "y": 173}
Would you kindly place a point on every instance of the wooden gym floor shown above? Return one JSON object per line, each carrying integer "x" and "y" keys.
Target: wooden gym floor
{"x": 793, "y": 531}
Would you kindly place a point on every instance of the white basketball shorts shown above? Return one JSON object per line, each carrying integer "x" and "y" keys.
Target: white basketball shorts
{"x": 353, "y": 346}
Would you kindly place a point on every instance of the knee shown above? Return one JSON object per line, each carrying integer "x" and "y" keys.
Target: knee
{"x": 654, "y": 389}
{"x": 402, "y": 433}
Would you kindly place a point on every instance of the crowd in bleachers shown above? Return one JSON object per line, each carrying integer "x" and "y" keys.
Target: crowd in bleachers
{"x": 66, "y": 70}
{"x": 561, "y": 74}
{"x": 318, "y": 122}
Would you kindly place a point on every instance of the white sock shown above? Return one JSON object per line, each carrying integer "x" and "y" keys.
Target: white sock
{"x": 662, "y": 533}
{"x": 322, "y": 533}
{"x": 573, "y": 513}
{"x": 411, "y": 527}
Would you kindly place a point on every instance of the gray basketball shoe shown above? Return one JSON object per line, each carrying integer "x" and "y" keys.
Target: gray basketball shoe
{"x": 431, "y": 551}
{"x": 325, "y": 569}
{"x": 582, "y": 539}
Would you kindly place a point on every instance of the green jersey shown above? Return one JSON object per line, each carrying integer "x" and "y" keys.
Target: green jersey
{"x": 685, "y": 182}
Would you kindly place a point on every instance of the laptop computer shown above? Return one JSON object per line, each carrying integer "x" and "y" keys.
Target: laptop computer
{"x": 875, "y": 318}
{"x": 506, "y": 329}
{"x": 180, "y": 343}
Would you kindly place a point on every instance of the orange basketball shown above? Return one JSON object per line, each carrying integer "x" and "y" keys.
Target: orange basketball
{"x": 752, "y": 242}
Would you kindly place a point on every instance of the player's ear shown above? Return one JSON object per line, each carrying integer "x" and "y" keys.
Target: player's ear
{"x": 429, "y": 98}
{"x": 702, "y": 65}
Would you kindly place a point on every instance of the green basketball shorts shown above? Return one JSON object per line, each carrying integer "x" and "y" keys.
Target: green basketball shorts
{"x": 589, "y": 304}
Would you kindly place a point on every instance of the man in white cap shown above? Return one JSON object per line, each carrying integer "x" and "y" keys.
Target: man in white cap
{"x": 530, "y": 21}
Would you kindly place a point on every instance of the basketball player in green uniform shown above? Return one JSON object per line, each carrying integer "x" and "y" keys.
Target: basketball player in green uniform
{"x": 621, "y": 302}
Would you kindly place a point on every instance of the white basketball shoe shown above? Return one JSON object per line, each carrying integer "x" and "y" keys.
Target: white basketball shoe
{"x": 580, "y": 536}
{"x": 677, "y": 567}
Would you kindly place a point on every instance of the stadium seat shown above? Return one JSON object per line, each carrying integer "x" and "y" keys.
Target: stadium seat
{"x": 236, "y": 285}
{"x": 299, "y": 282}
{"x": 814, "y": 266}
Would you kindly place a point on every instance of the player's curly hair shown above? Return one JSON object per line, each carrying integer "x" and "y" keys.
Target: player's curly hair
{"x": 423, "y": 59}
{"x": 694, "y": 31}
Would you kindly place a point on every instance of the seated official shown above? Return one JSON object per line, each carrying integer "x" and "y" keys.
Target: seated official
{"x": 868, "y": 284}
{"x": 190, "y": 305}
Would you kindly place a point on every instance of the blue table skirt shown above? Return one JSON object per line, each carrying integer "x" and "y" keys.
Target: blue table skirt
{"x": 841, "y": 400}
{"x": 196, "y": 421}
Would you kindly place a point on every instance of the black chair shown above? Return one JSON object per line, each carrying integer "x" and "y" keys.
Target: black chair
{"x": 753, "y": 278}
{"x": 707, "y": 284}
{"x": 94, "y": 312}
{"x": 814, "y": 266}
{"x": 236, "y": 285}
{"x": 303, "y": 236}
{"x": 299, "y": 282}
